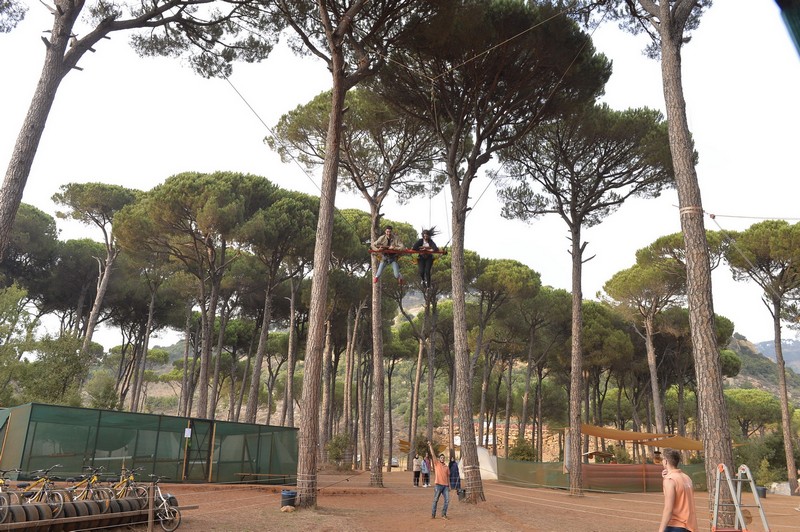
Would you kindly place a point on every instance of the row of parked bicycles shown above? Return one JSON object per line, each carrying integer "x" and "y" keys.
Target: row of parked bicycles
{"x": 25, "y": 500}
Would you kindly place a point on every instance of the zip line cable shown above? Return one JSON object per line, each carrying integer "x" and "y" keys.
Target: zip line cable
{"x": 491, "y": 175}
{"x": 752, "y": 272}
{"x": 291, "y": 156}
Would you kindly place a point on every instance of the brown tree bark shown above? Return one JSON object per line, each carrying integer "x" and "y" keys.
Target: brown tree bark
{"x": 53, "y": 71}
{"x": 377, "y": 401}
{"x": 713, "y": 418}
{"x": 658, "y": 407}
{"x": 576, "y": 369}
{"x": 292, "y": 363}
{"x": 327, "y": 401}
{"x": 508, "y": 408}
{"x": 786, "y": 415}
{"x": 469, "y": 451}
{"x": 414, "y": 412}
{"x": 309, "y": 423}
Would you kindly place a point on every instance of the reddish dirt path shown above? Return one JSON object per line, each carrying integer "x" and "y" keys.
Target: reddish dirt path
{"x": 348, "y": 503}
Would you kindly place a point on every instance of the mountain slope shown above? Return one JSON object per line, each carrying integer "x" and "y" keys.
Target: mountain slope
{"x": 760, "y": 371}
{"x": 790, "y": 348}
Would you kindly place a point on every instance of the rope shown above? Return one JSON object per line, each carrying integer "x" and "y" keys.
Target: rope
{"x": 289, "y": 152}
{"x": 752, "y": 271}
{"x": 493, "y": 175}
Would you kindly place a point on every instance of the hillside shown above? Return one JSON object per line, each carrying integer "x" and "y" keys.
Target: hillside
{"x": 790, "y": 348}
{"x": 759, "y": 371}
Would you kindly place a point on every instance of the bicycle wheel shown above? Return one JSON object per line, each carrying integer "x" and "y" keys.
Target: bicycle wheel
{"x": 5, "y": 502}
{"x": 16, "y": 514}
{"x": 102, "y": 496}
{"x": 169, "y": 518}
{"x": 55, "y": 500}
{"x": 129, "y": 505}
{"x": 141, "y": 494}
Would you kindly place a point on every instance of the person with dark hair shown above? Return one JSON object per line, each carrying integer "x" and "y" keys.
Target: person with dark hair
{"x": 417, "y": 468}
{"x": 387, "y": 243}
{"x": 425, "y": 471}
{"x": 679, "y": 513}
{"x": 442, "y": 486}
{"x": 425, "y": 246}
{"x": 455, "y": 475}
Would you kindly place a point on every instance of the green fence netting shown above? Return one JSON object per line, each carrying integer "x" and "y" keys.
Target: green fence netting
{"x": 183, "y": 449}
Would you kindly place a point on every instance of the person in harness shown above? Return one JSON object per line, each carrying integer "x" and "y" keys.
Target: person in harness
{"x": 425, "y": 246}
{"x": 388, "y": 244}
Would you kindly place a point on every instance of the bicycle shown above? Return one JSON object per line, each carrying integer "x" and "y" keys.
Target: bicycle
{"x": 165, "y": 507}
{"x": 128, "y": 487}
{"x": 88, "y": 488}
{"x": 42, "y": 490}
{"x": 5, "y": 493}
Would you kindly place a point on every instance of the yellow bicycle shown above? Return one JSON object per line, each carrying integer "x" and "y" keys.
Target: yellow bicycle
{"x": 128, "y": 487}
{"x": 88, "y": 488}
{"x": 42, "y": 490}
{"x": 6, "y": 494}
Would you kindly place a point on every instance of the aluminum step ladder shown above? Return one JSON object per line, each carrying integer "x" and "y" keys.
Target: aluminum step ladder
{"x": 742, "y": 475}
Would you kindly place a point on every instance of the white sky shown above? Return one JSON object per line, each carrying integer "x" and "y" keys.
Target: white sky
{"x": 134, "y": 122}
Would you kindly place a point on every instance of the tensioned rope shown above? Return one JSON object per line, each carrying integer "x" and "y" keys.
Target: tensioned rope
{"x": 752, "y": 270}
{"x": 492, "y": 176}
{"x": 288, "y": 151}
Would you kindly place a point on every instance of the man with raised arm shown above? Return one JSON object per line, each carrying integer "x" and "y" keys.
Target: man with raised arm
{"x": 442, "y": 483}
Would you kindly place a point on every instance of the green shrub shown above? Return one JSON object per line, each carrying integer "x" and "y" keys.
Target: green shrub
{"x": 620, "y": 453}
{"x": 337, "y": 447}
{"x": 523, "y": 450}
{"x": 765, "y": 475}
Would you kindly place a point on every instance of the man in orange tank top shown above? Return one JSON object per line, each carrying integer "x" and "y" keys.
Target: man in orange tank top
{"x": 679, "y": 513}
{"x": 442, "y": 487}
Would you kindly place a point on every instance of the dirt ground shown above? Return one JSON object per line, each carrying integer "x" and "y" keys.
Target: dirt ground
{"x": 346, "y": 502}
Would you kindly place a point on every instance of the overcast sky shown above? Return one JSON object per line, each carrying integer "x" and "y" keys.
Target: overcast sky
{"x": 134, "y": 122}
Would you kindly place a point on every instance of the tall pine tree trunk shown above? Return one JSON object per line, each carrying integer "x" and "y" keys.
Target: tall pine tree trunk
{"x": 251, "y": 411}
{"x": 414, "y": 410}
{"x": 145, "y": 347}
{"x": 508, "y": 408}
{"x": 187, "y": 343}
{"x": 377, "y": 402}
{"x": 215, "y": 386}
{"x": 786, "y": 414}
{"x": 658, "y": 407}
{"x": 469, "y": 452}
{"x": 102, "y": 287}
{"x": 713, "y": 420}
{"x": 53, "y": 71}
{"x": 576, "y": 369}
{"x": 326, "y": 405}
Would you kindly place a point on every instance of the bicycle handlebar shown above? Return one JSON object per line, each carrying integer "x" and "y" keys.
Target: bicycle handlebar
{"x": 44, "y": 472}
